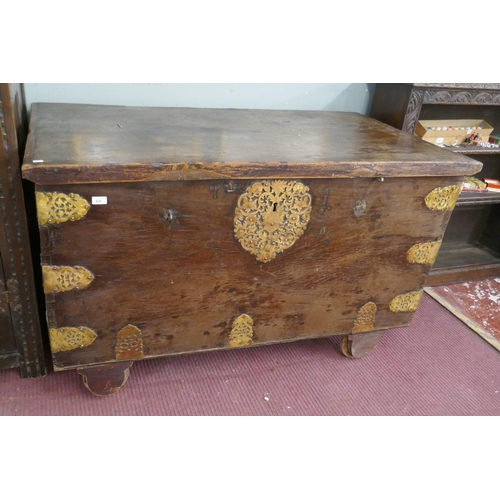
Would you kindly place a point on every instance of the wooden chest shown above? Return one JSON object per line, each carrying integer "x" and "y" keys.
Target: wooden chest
{"x": 170, "y": 230}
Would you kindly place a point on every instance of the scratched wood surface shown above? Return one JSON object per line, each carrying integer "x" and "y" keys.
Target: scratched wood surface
{"x": 476, "y": 303}
{"x": 165, "y": 259}
{"x": 76, "y": 143}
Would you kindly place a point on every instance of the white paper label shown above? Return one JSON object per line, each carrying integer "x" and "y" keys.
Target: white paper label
{"x": 439, "y": 140}
{"x": 99, "y": 200}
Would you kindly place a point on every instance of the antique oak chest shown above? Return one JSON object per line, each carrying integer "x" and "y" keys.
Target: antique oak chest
{"x": 173, "y": 230}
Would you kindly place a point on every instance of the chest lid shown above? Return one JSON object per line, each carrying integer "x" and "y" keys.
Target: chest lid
{"x": 77, "y": 143}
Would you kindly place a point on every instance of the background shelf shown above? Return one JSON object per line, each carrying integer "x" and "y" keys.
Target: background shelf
{"x": 473, "y": 150}
{"x": 472, "y": 198}
{"x": 471, "y": 242}
{"x": 461, "y": 262}
{"x": 466, "y": 253}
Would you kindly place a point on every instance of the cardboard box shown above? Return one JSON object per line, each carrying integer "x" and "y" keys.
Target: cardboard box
{"x": 452, "y": 132}
{"x": 474, "y": 184}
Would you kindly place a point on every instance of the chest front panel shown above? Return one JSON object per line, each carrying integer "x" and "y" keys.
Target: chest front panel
{"x": 173, "y": 267}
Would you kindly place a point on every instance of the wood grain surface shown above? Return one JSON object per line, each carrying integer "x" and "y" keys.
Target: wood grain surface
{"x": 170, "y": 273}
{"x": 76, "y": 143}
{"x": 166, "y": 261}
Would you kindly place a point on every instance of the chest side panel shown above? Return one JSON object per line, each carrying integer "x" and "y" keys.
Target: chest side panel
{"x": 168, "y": 273}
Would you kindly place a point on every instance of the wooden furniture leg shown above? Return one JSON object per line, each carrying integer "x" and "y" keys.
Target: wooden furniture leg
{"x": 104, "y": 380}
{"x": 357, "y": 346}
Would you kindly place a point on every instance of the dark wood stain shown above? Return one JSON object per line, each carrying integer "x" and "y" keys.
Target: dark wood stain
{"x": 146, "y": 272}
{"x": 163, "y": 250}
{"x": 81, "y": 143}
{"x": 21, "y": 334}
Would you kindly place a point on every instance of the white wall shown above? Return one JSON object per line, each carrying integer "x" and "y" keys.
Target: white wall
{"x": 311, "y": 96}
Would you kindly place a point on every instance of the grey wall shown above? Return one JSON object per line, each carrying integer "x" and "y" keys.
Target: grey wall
{"x": 311, "y": 96}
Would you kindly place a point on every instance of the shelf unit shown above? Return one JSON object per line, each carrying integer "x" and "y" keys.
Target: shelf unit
{"x": 471, "y": 244}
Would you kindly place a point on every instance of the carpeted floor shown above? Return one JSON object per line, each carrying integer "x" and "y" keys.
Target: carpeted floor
{"x": 437, "y": 366}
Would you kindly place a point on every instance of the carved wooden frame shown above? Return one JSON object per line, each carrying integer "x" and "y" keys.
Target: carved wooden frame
{"x": 14, "y": 240}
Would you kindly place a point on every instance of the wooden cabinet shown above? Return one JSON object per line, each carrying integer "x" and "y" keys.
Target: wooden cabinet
{"x": 21, "y": 343}
{"x": 168, "y": 231}
{"x": 471, "y": 245}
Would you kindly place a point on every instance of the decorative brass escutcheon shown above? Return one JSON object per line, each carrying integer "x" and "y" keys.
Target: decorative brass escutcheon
{"x": 67, "y": 339}
{"x": 54, "y": 208}
{"x": 443, "y": 198}
{"x": 271, "y": 216}
{"x": 57, "y": 279}
{"x": 129, "y": 344}
{"x": 407, "y": 302}
{"x": 365, "y": 320}
{"x": 423, "y": 253}
{"x": 242, "y": 333}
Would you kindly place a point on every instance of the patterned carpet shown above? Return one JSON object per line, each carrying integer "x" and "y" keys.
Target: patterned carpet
{"x": 437, "y": 366}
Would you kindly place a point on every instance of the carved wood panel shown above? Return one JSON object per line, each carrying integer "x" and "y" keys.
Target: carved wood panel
{"x": 450, "y": 96}
{"x": 14, "y": 241}
{"x": 413, "y": 111}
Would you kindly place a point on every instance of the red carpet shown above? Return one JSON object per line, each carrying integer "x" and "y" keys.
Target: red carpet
{"x": 437, "y": 366}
